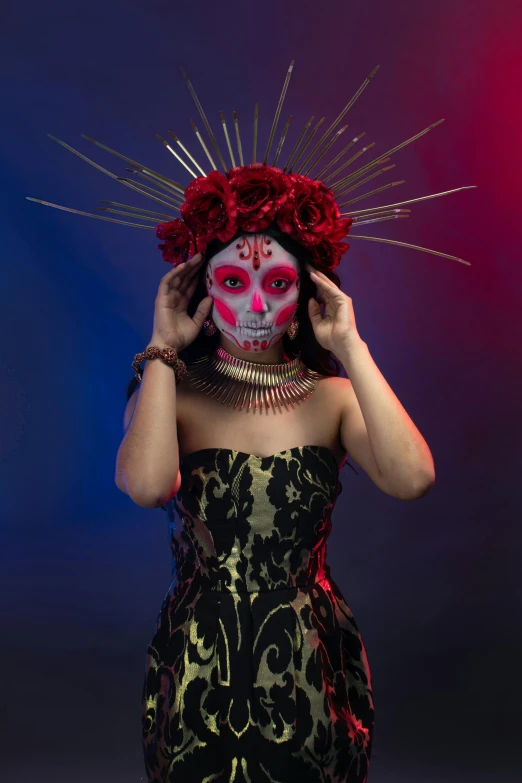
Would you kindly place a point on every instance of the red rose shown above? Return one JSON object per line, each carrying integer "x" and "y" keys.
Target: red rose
{"x": 341, "y": 229}
{"x": 260, "y": 192}
{"x": 310, "y": 213}
{"x": 210, "y": 209}
{"x": 179, "y": 242}
{"x": 327, "y": 253}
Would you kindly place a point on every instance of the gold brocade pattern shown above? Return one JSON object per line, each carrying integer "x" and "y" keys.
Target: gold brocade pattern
{"x": 257, "y": 671}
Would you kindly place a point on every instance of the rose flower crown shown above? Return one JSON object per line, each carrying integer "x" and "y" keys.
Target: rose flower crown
{"x": 249, "y": 197}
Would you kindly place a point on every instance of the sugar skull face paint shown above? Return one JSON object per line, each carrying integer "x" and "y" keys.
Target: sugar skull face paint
{"x": 255, "y": 285}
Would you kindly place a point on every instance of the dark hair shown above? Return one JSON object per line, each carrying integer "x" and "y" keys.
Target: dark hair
{"x": 313, "y": 355}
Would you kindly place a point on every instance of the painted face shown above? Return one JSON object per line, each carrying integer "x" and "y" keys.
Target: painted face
{"x": 255, "y": 285}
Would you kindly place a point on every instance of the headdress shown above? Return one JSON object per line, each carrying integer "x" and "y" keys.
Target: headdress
{"x": 304, "y": 197}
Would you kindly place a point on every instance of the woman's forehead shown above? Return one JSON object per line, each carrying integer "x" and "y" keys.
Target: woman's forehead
{"x": 256, "y": 250}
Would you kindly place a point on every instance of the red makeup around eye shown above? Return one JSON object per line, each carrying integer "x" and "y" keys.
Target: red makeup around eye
{"x": 287, "y": 273}
{"x": 232, "y": 270}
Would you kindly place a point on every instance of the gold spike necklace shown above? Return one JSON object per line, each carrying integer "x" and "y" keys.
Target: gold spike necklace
{"x": 253, "y": 385}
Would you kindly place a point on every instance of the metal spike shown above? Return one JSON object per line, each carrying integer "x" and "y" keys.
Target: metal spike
{"x": 217, "y": 389}
{"x": 363, "y": 181}
{"x": 228, "y": 382}
{"x": 88, "y": 214}
{"x": 105, "y": 171}
{"x": 236, "y": 378}
{"x": 294, "y": 394}
{"x": 271, "y": 390}
{"x": 177, "y": 193}
{"x": 242, "y": 399}
{"x": 373, "y": 192}
{"x": 339, "y": 156}
{"x": 205, "y": 149}
{"x": 252, "y": 397}
{"x": 410, "y": 201}
{"x": 238, "y": 139}
{"x": 264, "y": 391}
{"x": 137, "y": 209}
{"x": 284, "y": 388}
{"x": 203, "y": 374}
{"x": 349, "y": 163}
{"x": 381, "y": 219}
{"x": 256, "y": 118}
{"x": 276, "y": 387}
{"x": 384, "y": 160}
{"x": 187, "y": 153}
{"x": 173, "y": 195}
{"x": 266, "y": 399}
{"x": 281, "y": 385}
{"x": 83, "y": 157}
{"x": 278, "y": 110}
{"x": 257, "y": 390}
{"x": 376, "y": 214}
{"x": 243, "y": 378}
{"x": 330, "y": 143}
{"x": 281, "y": 140}
{"x": 341, "y": 182}
{"x": 310, "y": 137}
{"x": 227, "y": 137}
{"x": 235, "y": 393}
{"x": 350, "y": 103}
{"x": 127, "y": 214}
{"x": 203, "y": 117}
{"x": 376, "y": 162}
{"x": 414, "y": 247}
{"x": 176, "y": 185}
{"x": 298, "y": 142}
{"x": 146, "y": 190}
{"x": 167, "y": 145}
{"x": 131, "y": 185}
{"x": 229, "y": 388}
{"x": 266, "y": 380}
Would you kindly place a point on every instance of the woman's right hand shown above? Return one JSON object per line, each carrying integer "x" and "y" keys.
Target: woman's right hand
{"x": 172, "y": 324}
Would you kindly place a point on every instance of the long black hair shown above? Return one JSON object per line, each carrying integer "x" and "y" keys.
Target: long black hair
{"x": 313, "y": 355}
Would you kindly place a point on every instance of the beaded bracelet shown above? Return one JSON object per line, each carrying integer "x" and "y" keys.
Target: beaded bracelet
{"x": 168, "y": 355}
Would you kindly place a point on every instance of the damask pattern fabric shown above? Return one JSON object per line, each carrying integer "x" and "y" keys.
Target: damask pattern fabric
{"x": 256, "y": 672}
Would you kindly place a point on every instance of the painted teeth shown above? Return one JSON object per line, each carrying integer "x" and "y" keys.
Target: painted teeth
{"x": 251, "y": 331}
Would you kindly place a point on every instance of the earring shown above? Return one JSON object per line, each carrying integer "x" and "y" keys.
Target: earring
{"x": 293, "y": 329}
{"x": 209, "y": 327}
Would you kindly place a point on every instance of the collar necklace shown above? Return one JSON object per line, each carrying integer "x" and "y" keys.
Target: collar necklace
{"x": 241, "y": 383}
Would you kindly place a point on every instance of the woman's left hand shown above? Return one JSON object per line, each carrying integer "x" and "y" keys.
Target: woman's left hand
{"x": 337, "y": 330}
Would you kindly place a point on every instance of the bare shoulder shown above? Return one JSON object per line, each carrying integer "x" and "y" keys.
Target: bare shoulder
{"x": 338, "y": 390}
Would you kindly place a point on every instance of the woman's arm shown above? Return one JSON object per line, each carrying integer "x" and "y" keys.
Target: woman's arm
{"x": 374, "y": 421}
{"x": 147, "y": 462}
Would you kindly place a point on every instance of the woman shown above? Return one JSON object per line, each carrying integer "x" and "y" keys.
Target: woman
{"x": 257, "y": 670}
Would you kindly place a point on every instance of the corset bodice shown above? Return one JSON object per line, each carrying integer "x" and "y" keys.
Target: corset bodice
{"x": 244, "y": 523}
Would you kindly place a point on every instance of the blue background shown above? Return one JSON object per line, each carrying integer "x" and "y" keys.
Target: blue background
{"x": 435, "y": 583}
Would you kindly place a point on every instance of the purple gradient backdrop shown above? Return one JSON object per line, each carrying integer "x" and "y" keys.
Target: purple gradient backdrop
{"x": 434, "y": 584}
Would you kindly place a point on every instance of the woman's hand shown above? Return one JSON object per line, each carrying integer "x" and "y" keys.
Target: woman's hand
{"x": 337, "y": 330}
{"x": 172, "y": 324}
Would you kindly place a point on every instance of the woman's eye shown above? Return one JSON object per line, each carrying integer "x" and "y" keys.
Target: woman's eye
{"x": 236, "y": 279}
{"x": 275, "y": 283}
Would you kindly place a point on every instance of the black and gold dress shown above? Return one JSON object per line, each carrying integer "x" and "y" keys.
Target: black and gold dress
{"x": 256, "y": 670}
